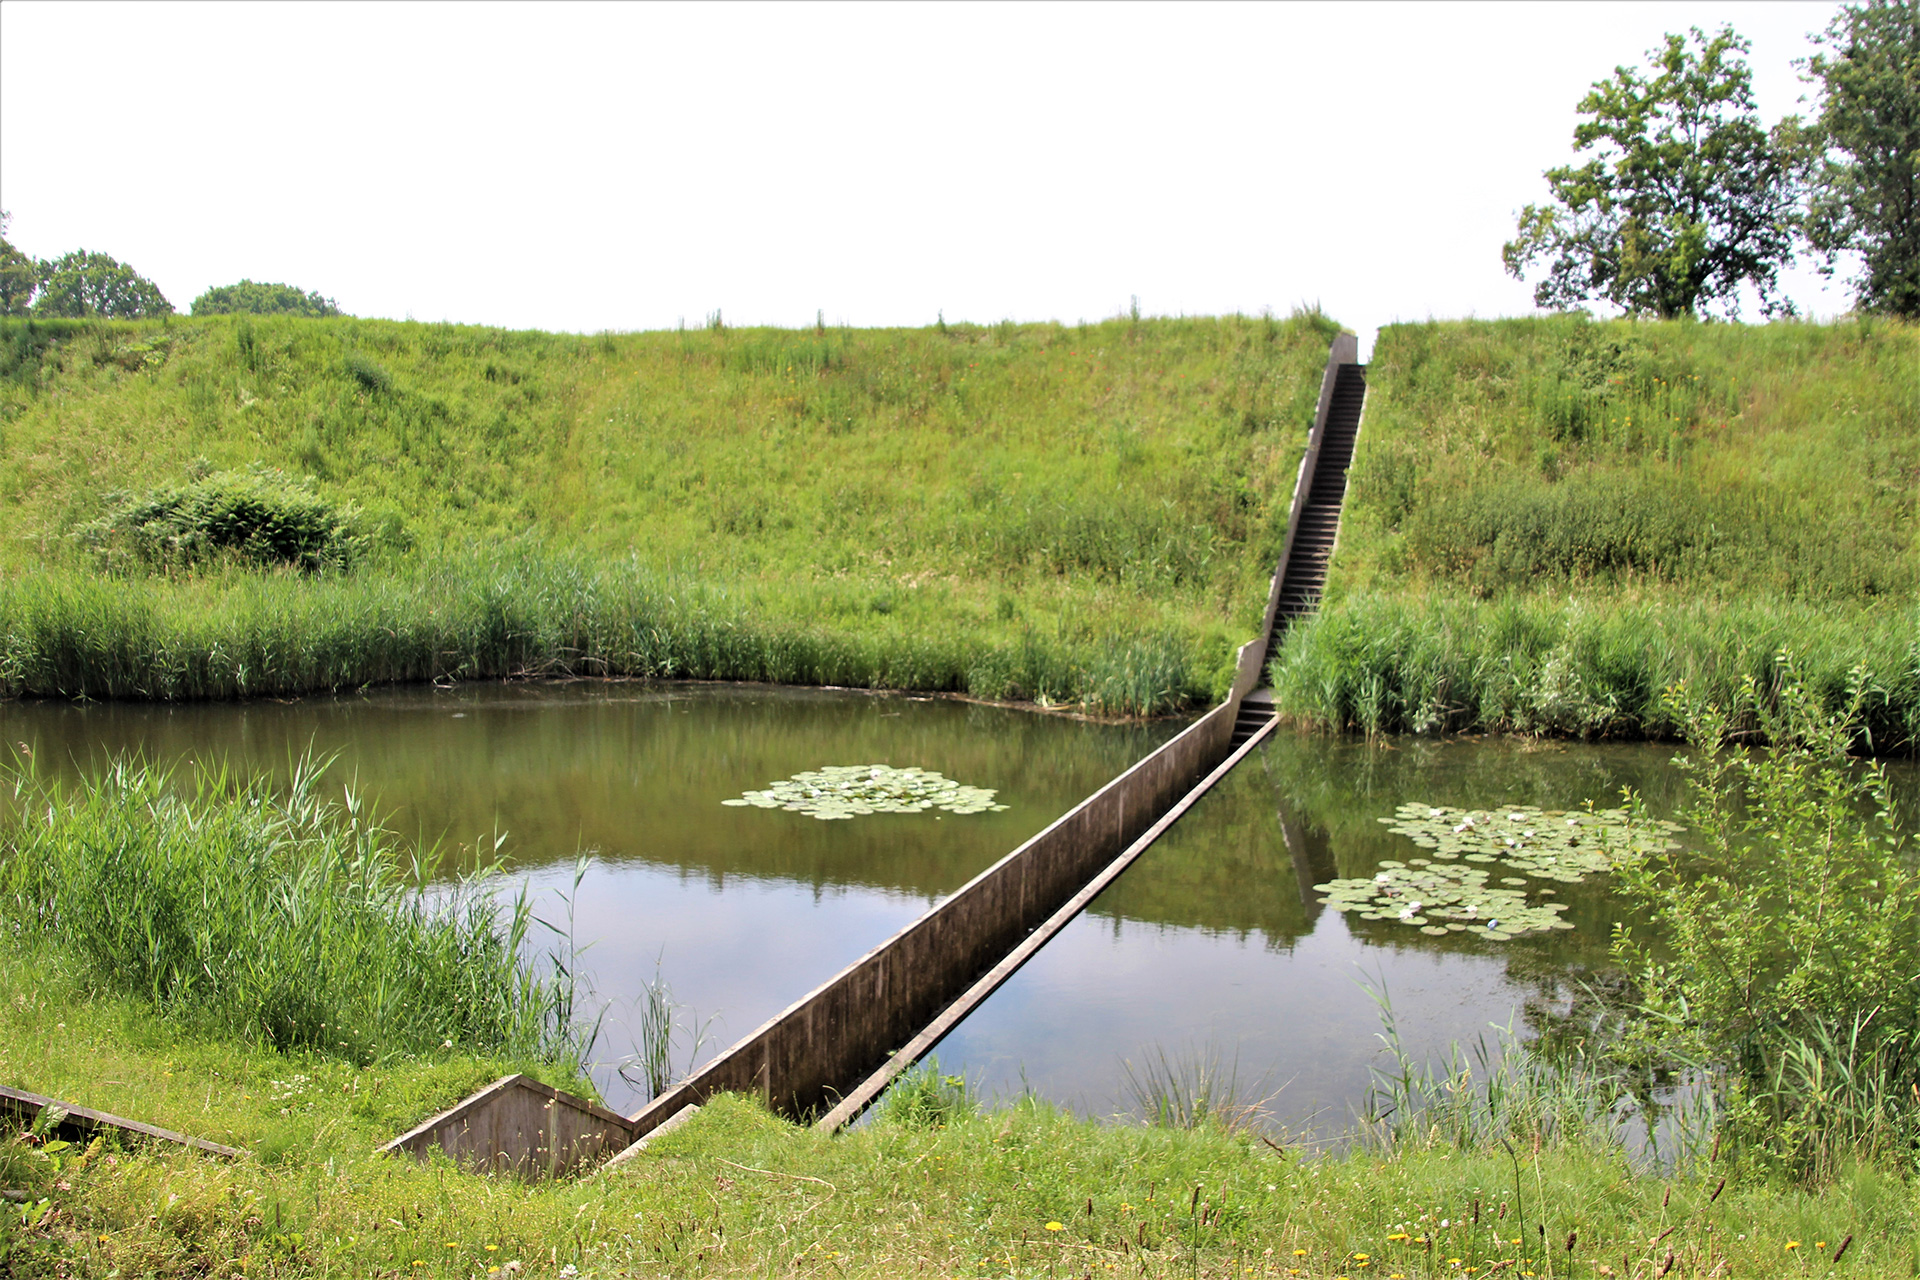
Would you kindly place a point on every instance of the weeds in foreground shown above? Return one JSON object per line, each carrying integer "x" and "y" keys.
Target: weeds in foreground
{"x": 924, "y": 1097}
{"x": 656, "y": 1022}
{"x": 739, "y": 1191}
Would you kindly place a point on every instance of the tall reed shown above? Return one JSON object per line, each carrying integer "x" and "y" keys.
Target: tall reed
{"x": 1427, "y": 662}
{"x": 521, "y": 612}
{"x": 276, "y": 914}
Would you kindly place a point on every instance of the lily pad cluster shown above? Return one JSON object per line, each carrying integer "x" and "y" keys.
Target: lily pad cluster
{"x": 855, "y": 790}
{"x": 1456, "y": 890}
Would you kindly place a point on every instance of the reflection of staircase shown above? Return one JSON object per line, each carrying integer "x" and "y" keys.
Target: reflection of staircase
{"x": 1312, "y": 546}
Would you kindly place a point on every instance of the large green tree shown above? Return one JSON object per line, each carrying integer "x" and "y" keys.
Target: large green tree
{"x": 81, "y": 284}
{"x": 1866, "y": 188}
{"x": 19, "y": 274}
{"x": 262, "y": 300}
{"x": 1686, "y": 195}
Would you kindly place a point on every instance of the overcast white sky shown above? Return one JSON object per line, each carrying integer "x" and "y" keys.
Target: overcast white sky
{"x": 621, "y": 167}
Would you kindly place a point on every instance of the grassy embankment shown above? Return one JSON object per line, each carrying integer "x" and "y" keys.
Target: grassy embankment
{"x": 1077, "y": 514}
{"x": 1551, "y": 521}
{"x": 738, "y": 1192}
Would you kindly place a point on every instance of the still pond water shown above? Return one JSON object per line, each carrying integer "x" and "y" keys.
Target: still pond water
{"x": 1211, "y": 945}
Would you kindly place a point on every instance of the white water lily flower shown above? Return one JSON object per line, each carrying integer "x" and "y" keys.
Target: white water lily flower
{"x": 1516, "y": 817}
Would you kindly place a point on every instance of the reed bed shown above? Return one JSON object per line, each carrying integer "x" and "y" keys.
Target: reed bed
{"x": 1590, "y": 668}
{"x": 275, "y": 915}
{"x": 491, "y": 615}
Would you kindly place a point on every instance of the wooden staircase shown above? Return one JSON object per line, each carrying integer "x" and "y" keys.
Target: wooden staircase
{"x": 1306, "y": 571}
{"x": 1304, "y": 576}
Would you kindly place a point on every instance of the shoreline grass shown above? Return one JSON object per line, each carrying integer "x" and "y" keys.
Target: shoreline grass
{"x": 270, "y": 913}
{"x": 737, "y": 1191}
{"x": 1591, "y": 668}
{"x": 519, "y": 613}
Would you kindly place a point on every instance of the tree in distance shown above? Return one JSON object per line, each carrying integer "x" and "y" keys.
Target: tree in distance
{"x": 262, "y": 300}
{"x": 1686, "y": 196}
{"x": 80, "y": 284}
{"x": 19, "y": 274}
{"x": 1866, "y": 188}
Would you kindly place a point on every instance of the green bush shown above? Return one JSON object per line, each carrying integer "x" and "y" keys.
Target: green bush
{"x": 262, "y": 300}
{"x": 1788, "y": 960}
{"x": 261, "y": 517}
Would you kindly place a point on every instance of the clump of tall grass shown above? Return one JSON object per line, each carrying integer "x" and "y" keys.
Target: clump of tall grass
{"x": 1423, "y": 663}
{"x": 924, "y": 1097}
{"x": 275, "y": 914}
{"x": 1193, "y": 1088}
{"x": 1484, "y": 1094}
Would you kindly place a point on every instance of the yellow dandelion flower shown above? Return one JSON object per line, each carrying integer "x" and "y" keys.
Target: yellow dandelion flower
{"x": 1819, "y": 1244}
{"x": 1399, "y": 1235}
{"x": 1793, "y": 1244}
{"x": 453, "y": 1244}
{"x": 1056, "y": 1226}
{"x": 493, "y": 1248}
{"x": 1361, "y": 1257}
{"x": 1299, "y": 1253}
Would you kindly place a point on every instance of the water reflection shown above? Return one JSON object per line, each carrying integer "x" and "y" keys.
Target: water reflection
{"x": 1215, "y": 942}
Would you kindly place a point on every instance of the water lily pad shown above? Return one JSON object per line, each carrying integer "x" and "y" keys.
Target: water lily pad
{"x": 1454, "y": 892}
{"x": 845, "y": 791}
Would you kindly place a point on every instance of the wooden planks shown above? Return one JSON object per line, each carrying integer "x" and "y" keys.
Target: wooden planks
{"x": 80, "y": 1124}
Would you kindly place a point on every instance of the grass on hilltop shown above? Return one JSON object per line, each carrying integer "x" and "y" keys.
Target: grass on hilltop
{"x": 1079, "y": 514}
{"x": 1551, "y": 521}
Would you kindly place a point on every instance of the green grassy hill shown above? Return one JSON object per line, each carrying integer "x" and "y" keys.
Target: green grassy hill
{"x": 1083, "y": 514}
{"x": 1550, "y": 522}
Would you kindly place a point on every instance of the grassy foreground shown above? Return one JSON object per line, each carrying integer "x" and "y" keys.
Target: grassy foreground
{"x": 1083, "y": 514}
{"x": 1024, "y": 1190}
{"x": 1551, "y": 521}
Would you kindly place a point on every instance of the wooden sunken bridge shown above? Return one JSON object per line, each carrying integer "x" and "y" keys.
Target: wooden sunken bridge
{"x": 833, "y": 1052}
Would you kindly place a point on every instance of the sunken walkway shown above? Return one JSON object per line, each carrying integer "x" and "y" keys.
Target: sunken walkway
{"x": 826, "y": 1058}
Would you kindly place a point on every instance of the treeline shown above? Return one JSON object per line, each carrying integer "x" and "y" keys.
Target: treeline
{"x": 84, "y": 284}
